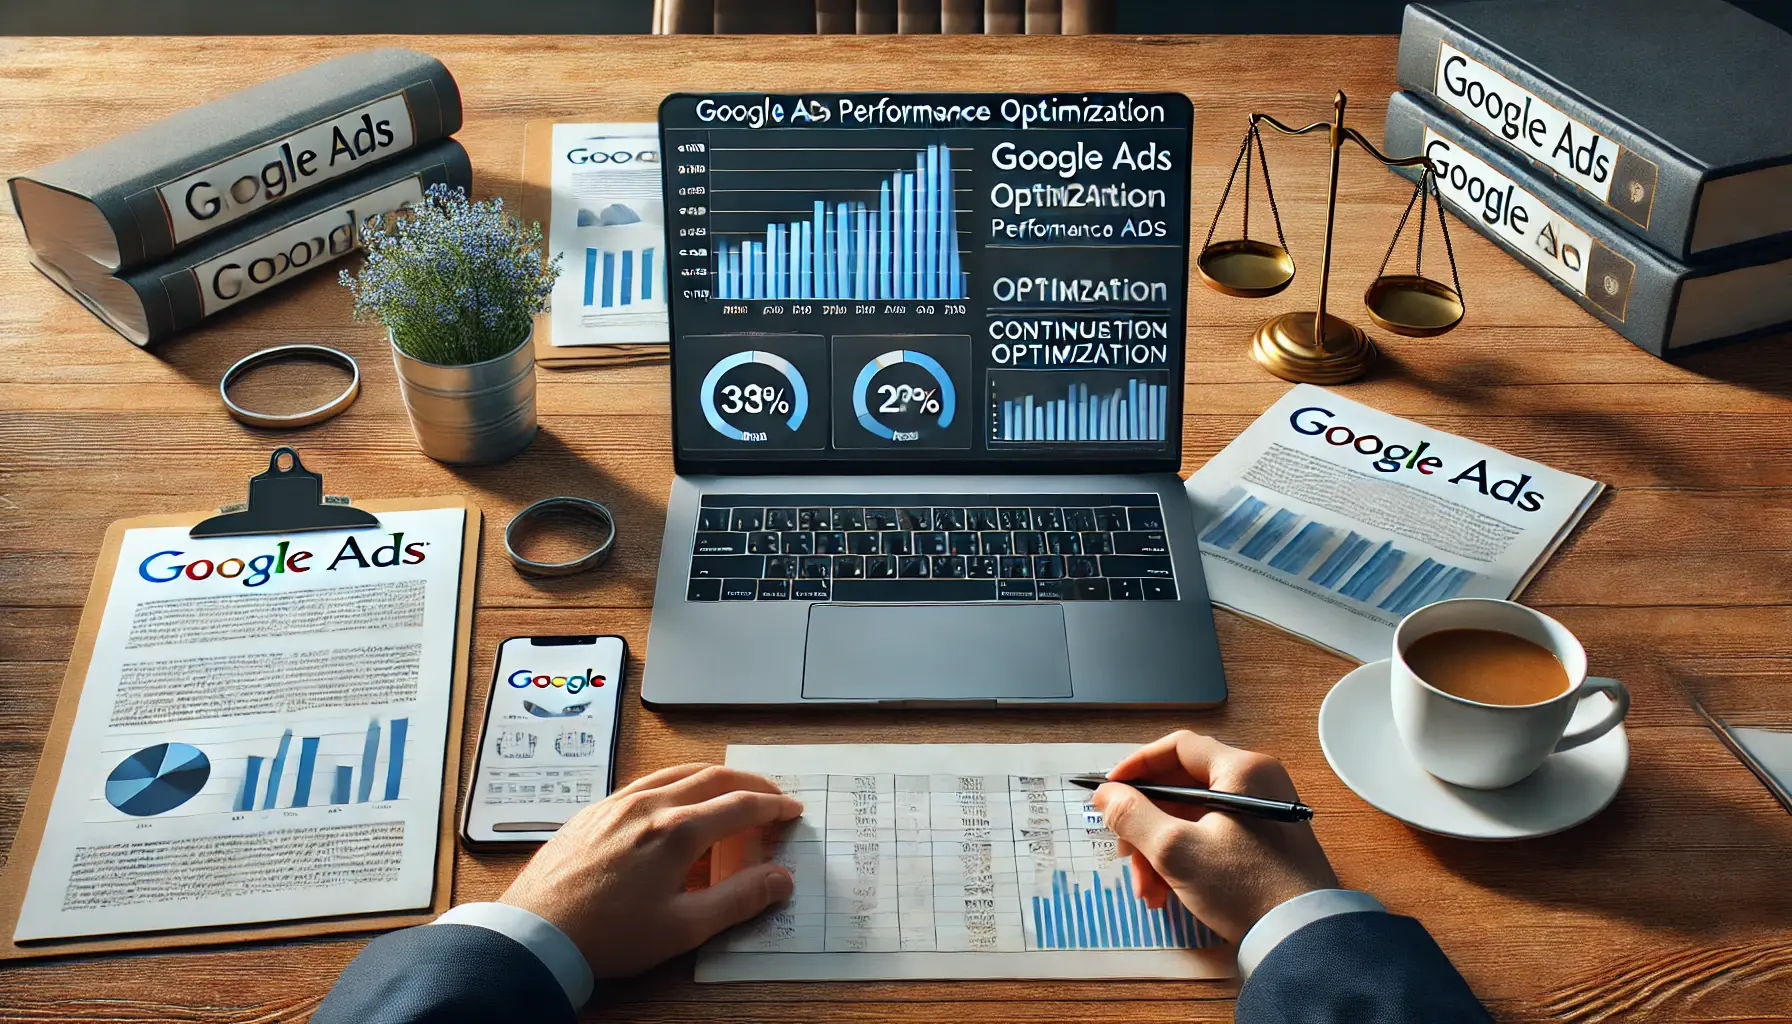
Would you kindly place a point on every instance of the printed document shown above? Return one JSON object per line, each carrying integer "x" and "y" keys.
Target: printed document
{"x": 950, "y": 861}
{"x": 1332, "y": 521}
{"x": 261, "y": 734}
{"x": 607, "y": 223}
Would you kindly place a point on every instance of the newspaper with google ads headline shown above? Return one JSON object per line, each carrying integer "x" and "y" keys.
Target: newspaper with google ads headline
{"x": 1331, "y": 520}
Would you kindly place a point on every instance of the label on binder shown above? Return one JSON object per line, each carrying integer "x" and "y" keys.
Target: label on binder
{"x": 239, "y": 185}
{"x": 1544, "y": 236}
{"x": 1620, "y": 178}
{"x": 229, "y": 278}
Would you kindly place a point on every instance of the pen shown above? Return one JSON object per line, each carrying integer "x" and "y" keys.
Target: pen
{"x": 1234, "y": 803}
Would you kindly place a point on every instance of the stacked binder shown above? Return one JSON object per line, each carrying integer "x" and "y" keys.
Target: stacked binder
{"x": 1639, "y": 160}
{"x": 158, "y": 229}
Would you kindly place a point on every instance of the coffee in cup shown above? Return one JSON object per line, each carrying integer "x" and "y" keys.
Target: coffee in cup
{"x": 1488, "y": 666}
{"x": 1483, "y": 690}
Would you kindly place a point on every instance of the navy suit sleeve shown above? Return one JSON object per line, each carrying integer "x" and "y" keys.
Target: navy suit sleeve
{"x": 445, "y": 974}
{"x": 1367, "y": 968}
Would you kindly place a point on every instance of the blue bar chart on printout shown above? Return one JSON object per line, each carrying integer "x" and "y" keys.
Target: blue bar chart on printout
{"x": 880, "y": 223}
{"x": 1097, "y": 910}
{"x": 623, "y": 277}
{"x": 351, "y": 780}
{"x": 1332, "y": 558}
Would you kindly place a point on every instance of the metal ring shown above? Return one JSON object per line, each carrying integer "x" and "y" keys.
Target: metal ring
{"x": 282, "y": 353}
{"x": 582, "y": 507}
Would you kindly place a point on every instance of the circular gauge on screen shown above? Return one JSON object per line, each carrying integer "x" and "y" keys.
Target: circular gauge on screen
{"x": 901, "y": 394}
{"x": 755, "y": 396}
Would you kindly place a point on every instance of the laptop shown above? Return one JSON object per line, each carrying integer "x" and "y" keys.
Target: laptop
{"x": 927, "y": 381}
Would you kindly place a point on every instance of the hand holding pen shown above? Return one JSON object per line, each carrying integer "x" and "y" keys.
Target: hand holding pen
{"x": 1229, "y": 869}
{"x": 1291, "y": 811}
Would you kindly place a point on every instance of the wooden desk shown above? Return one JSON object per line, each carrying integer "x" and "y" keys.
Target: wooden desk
{"x": 1673, "y": 905}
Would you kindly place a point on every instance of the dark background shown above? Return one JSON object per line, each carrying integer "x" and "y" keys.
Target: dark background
{"x": 260, "y": 17}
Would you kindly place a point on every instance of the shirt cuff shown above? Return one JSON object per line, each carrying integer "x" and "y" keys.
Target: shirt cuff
{"x": 549, "y": 944}
{"x": 1293, "y": 915}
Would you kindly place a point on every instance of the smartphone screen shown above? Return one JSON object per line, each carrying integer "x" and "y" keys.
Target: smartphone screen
{"x": 550, "y": 737}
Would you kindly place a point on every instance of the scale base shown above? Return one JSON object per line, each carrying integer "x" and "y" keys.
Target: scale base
{"x": 1284, "y": 345}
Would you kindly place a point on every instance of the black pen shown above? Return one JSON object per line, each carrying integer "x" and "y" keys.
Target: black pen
{"x": 1234, "y": 803}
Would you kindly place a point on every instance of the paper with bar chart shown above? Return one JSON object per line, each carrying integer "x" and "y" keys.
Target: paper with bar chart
{"x": 261, "y": 735}
{"x": 607, "y": 224}
{"x": 1333, "y": 521}
{"x": 950, "y": 861}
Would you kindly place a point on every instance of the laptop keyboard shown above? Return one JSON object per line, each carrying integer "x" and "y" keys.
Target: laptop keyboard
{"x": 931, "y": 548}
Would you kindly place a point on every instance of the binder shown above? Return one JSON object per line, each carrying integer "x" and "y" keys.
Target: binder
{"x": 285, "y": 499}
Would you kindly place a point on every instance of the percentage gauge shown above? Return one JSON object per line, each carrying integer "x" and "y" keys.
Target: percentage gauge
{"x": 755, "y": 401}
{"x": 905, "y": 398}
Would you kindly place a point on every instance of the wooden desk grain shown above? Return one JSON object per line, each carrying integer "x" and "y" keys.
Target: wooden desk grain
{"x": 1673, "y": 905}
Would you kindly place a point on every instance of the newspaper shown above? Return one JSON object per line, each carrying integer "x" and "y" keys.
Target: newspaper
{"x": 607, "y": 223}
{"x": 1333, "y": 521}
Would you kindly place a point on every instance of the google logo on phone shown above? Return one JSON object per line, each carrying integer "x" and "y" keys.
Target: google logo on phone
{"x": 523, "y": 678}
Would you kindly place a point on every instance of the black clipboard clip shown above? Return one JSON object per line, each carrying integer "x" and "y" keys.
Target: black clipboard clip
{"x": 286, "y": 499}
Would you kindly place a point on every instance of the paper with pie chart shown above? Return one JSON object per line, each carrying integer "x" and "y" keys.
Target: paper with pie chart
{"x": 261, "y": 734}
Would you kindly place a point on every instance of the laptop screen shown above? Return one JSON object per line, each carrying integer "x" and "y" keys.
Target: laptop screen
{"x": 927, "y": 281}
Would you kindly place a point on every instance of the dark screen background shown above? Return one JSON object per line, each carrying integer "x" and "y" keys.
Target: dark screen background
{"x": 1070, "y": 289}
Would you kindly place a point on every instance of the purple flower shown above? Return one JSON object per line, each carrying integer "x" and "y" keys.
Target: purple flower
{"x": 455, "y": 281}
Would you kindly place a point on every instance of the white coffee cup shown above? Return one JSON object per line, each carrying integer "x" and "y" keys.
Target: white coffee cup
{"x": 1487, "y": 746}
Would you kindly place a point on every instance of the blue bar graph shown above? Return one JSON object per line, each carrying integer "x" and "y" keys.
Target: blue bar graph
{"x": 395, "y": 756}
{"x": 245, "y": 797}
{"x": 1356, "y": 567}
{"x": 1103, "y": 913}
{"x": 1294, "y": 557}
{"x": 1131, "y": 410}
{"x": 1271, "y": 533}
{"x": 906, "y": 247}
{"x": 339, "y": 791}
{"x": 370, "y": 751}
{"x": 612, "y": 279}
{"x": 274, "y": 773}
{"x": 1232, "y": 525}
{"x": 301, "y": 793}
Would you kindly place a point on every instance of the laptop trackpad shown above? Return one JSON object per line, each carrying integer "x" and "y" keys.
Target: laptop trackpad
{"x": 936, "y": 652}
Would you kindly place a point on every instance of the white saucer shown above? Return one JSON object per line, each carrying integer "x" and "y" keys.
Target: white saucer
{"x": 1356, "y": 730}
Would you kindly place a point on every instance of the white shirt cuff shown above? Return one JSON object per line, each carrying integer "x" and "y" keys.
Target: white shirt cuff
{"x": 549, "y": 944}
{"x": 1293, "y": 915}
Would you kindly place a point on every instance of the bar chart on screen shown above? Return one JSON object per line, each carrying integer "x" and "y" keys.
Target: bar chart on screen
{"x": 849, "y": 222}
{"x": 1031, "y": 406}
{"x": 1344, "y": 562}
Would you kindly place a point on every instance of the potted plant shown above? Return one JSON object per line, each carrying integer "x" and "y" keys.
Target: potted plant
{"x": 457, "y": 285}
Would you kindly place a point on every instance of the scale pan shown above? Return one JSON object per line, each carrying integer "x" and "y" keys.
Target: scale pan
{"x": 1417, "y": 307}
{"x": 1245, "y": 267}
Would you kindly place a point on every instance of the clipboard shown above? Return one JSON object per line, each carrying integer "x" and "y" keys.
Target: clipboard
{"x": 283, "y": 499}
{"x": 537, "y": 205}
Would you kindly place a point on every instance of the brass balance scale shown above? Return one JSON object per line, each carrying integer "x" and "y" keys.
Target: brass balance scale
{"x": 1316, "y": 347}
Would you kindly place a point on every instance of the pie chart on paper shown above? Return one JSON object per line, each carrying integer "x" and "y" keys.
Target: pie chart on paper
{"x": 157, "y": 779}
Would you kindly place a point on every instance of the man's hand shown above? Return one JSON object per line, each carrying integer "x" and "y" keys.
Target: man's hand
{"x": 613, "y": 877}
{"x": 1228, "y": 870}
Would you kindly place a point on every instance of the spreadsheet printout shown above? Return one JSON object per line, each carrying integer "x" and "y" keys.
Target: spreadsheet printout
{"x": 950, "y": 861}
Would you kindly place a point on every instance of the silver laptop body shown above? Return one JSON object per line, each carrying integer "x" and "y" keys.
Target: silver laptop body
{"x": 879, "y": 502}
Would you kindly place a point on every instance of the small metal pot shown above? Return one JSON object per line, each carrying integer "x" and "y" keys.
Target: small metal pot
{"x": 475, "y": 414}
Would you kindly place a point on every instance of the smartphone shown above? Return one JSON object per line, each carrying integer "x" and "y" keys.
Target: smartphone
{"x": 548, "y": 747}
